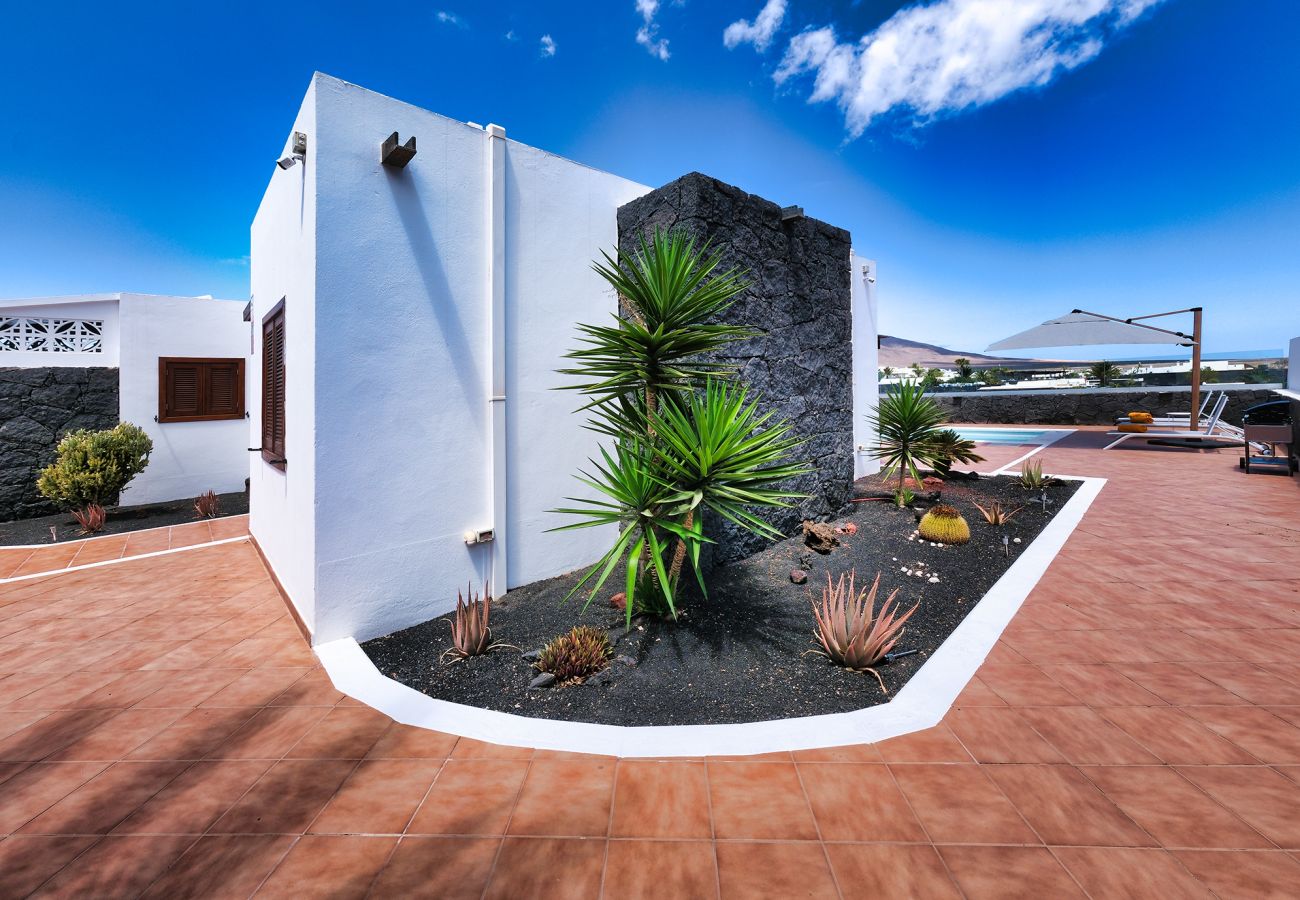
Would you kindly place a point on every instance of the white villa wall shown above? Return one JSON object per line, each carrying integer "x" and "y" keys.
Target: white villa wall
{"x": 866, "y": 359}
{"x": 283, "y": 265}
{"x": 1293, "y": 365}
{"x": 403, "y": 345}
{"x": 188, "y": 457}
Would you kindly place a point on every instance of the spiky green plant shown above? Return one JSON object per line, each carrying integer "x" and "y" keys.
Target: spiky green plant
{"x": 995, "y": 514}
{"x": 943, "y": 524}
{"x": 686, "y": 440}
{"x": 949, "y": 448}
{"x": 906, "y": 422}
{"x": 1032, "y": 477}
{"x": 575, "y": 655}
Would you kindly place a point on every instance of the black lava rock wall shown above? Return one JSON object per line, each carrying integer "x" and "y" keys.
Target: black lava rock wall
{"x": 801, "y": 365}
{"x": 1096, "y": 406}
{"x": 38, "y": 407}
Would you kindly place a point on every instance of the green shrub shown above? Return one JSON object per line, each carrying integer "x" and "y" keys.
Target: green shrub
{"x": 92, "y": 467}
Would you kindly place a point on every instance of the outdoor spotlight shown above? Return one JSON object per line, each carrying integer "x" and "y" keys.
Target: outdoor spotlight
{"x": 298, "y": 154}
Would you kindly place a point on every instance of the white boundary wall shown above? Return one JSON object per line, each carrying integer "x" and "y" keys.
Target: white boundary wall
{"x": 188, "y": 457}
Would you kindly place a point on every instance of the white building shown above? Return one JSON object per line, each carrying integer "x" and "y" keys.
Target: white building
{"x": 411, "y": 440}
{"x": 145, "y": 337}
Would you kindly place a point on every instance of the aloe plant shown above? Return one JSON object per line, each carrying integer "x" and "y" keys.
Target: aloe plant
{"x": 849, "y": 631}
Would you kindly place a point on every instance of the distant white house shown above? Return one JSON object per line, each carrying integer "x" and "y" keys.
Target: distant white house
{"x": 409, "y": 314}
{"x": 180, "y": 365}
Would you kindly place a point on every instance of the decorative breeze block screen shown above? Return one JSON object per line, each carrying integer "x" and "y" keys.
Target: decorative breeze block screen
{"x": 51, "y": 335}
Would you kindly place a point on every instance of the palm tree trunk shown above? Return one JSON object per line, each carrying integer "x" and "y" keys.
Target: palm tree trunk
{"x": 679, "y": 552}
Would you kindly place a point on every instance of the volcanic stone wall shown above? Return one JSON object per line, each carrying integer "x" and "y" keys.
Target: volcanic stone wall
{"x": 801, "y": 364}
{"x": 1094, "y": 406}
{"x": 37, "y": 407}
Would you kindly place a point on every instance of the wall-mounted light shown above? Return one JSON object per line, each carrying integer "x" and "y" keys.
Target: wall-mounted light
{"x": 298, "y": 153}
{"x": 791, "y": 212}
{"x": 394, "y": 154}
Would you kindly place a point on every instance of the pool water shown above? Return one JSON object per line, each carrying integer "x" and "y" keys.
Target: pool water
{"x": 1004, "y": 435}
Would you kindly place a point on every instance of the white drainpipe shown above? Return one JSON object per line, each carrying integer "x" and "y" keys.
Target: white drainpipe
{"x": 496, "y": 285}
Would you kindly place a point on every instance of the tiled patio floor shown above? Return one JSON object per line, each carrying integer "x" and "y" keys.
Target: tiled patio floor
{"x": 17, "y": 562}
{"x": 164, "y": 731}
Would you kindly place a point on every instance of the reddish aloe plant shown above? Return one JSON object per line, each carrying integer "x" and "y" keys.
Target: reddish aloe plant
{"x": 207, "y": 505}
{"x": 91, "y": 518}
{"x": 470, "y": 634}
{"x": 849, "y": 631}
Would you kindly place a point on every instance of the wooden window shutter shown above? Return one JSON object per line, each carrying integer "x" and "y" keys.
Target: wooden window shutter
{"x": 273, "y": 387}
{"x": 200, "y": 389}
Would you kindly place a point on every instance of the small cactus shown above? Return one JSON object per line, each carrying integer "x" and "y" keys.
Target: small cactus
{"x": 576, "y": 654}
{"x": 944, "y": 525}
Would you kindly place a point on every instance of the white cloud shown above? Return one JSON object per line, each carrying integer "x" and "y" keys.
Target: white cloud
{"x": 760, "y": 31}
{"x": 511, "y": 36}
{"x": 648, "y": 34}
{"x": 548, "y": 46}
{"x": 952, "y": 55}
{"x": 450, "y": 18}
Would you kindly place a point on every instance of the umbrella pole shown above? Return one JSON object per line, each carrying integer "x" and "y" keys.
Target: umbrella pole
{"x": 1195, "y": 417}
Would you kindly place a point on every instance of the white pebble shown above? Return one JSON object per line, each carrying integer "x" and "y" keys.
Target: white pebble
{"x": 934, "y": 579}
{"x": 1017, "y": 540}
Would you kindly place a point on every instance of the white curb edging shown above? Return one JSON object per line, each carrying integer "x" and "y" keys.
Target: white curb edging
{"x": 920, "y": 704}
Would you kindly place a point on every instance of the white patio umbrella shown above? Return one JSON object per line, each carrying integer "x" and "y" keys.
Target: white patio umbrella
{"x": 1081, "y": 329}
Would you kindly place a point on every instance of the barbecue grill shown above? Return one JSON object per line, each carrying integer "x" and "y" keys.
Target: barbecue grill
{"x": 1270, "y": 426}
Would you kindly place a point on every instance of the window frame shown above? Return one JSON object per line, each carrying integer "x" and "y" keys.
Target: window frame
{"x": 203, "y": 362}
{"x": 275, "y": 457}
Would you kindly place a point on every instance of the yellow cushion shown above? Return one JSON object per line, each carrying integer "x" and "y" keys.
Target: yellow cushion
{"x": 1140, "y": 418}
{"x": 1137, "y": 429}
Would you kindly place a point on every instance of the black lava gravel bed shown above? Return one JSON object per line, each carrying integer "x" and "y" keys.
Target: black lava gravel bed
{"x": 120, "y": 520}
{"x": 741, "y": 654}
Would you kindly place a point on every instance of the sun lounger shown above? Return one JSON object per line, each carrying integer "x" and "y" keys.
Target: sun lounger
{"x": 1175, "y": 418}
{"x": 1213, "y": 428}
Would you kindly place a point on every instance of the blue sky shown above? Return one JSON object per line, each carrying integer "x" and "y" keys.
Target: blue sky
{"x": 1152, "y": 163}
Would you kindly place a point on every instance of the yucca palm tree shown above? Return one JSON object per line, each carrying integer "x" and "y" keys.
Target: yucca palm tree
{"x": 686, "y": 440}
{"x": 906, "y": 422}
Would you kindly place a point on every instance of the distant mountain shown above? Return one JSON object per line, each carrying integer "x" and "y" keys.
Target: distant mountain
{"x": 901, "y": 353}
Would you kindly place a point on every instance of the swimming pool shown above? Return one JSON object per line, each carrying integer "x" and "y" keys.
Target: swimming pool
{"x": 1006, "y": 435}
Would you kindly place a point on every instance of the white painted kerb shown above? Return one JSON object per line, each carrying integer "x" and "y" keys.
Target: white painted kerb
{"x": 921, "y": 703}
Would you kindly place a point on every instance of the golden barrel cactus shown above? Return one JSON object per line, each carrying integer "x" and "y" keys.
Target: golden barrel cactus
{"x": 944, "y": 525}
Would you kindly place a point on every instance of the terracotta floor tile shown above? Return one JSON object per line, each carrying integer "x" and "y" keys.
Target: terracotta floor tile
{"x": 1008, "y": 872}
{"x": 255, "y": 688}
{"x": 116, "y": 737}
{"x": 471, "y": 797}
{"x": 960, "y": 803}
{"x": 1173, "y": 810}
{"x": 195, "y": 734}
{"x": 1178, "y": 683}
{"x": 64, "y": 692}
{"x": 343, "y": 733}
{"x": 468, "y": 748}
{"x": 759, "y": 800}
{"x": 117, "y": 867}
{"x": 873, "y": 871}
{"x": 149, "y": 541}
{"x": 1263, "y": 735}
{"x": 849, "y": 753}
{"x": 1244, "y": 875}
{"x": 547, "y": 869}
{"x": 1175, "y": 737}
{"x": 287, "y": 798}
{"x": 647, "y": 870}
{"x": 438, "y": 868}
{"x": 188, "y": 689}
{"x": 1109, "y": 872}
{"x": 271, "y": 733}
{"x": 313, "y": 689}
{"x": 1257, "y": 684}
{"x": 1024, "y": 685}
{"x": 195, "y": 799}
{"x": 936, "y": 744}
{"x": 28, "y": 861}
{"x": 98, "y": 805}
{"x": 408, "y": 742}
{"x": 774, "y": 870}
{"x": 563, "y": 798}
{"x": 190, "y": 534}
{"x": 379, "y": 797}
{"x": 35, "y": 789}
{"x": 1064, "y": 807}
{"x": 977, "y": 693}
{"x": 328, "y": 866}
{"x": 858, "y": 802}
{"x": 1266, "y": 800}
{"x": 236, "y": 862}
{"x": 1084, "y": 737}
{"x": 1000, "y": 736}
{"x": 664, "y": 799}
